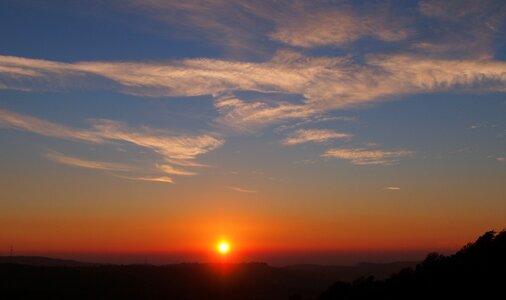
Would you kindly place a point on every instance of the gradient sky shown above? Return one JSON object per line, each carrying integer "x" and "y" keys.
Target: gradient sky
{"x": 324, "y": 131}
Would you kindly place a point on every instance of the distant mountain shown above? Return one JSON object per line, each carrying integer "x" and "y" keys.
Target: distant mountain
{"x": 35, "y": 277}
{"x": 477, "y": 271}
{"x": 43, "y": 261}
{"x": 349, "y": 273}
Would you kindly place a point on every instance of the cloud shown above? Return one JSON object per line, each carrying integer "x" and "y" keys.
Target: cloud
{"x": 338, "y": 27}
{"x": 501, "y": 159}
{"x": 241, "y": 190}
{"x": 314, "y": 135}
{"x": 23, "y": 122}
{"x": 178, "y": 149}
{"x": 315, "y": 120}
{"x": 462, "y": 28}
{"x": 87, "y": 164}
{"x": 244, "y": 24}
{"x": 162, "y": 179}
{"x": 360, "y": 156}
{"x": 248, "y": 116}
{"x": 392, "y": 188}
{"x": 228, "y": 24}
{"x": 169, "y": 145}
{"x": 168, "y": 169}
{"x": 324, "y": 83}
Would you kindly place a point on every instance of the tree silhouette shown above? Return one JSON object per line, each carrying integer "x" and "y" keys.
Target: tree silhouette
{"x": 478, "y": 270}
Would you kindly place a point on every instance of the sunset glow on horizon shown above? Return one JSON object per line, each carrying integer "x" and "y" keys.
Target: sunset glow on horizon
{"x": 207, "y": 131}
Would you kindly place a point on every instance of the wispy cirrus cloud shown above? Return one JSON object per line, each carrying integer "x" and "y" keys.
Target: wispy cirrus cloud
{"x": 324, "y": 83}
{"x": 241, "y": 190}
{"x": 161, "y": 179}
{"x": 360, "y": 156}
{"x": 314, "y": 135}
{"x": 168, "y": 169}
{"x": 87, "y": 164}
{"x": 392, "y": 188}
{"x": 43, "y": 127}
{"x": 462, "y": 28}
{"x": 173, "y": 148}
{"x": 295, "y": 23}
{"x": 338, "y": 27}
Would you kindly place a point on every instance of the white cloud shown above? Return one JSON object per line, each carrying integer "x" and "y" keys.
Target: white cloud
{"x": 168, "y": 169}
{"x": 337, "y": 27}
{"x": 314, "y": 135}
{"x": 174, "y": 148}
{"x": 324, "y": 83}
{"x": 35, "y": 125}
{"x": 162, "y": 179}
{"x": 392, "y": 188}
{"x": 87, "y": 164}
{"x": 241, "y": 190}
{"x": 360, "y": 156}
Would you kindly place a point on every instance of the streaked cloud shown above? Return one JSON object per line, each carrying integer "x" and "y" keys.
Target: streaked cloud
{"x": 315, "y": 120}
{"x": 246, "y": 117}
{"x": 392, "y": 188}
{"x": 462, "y": 28}
{"x": 161, "y": 179}
{"x": 501, "y": 159}
{"x": 87, "y": 164}
{"x": 324, "y": 83}
{"x": 23, "y": 122}
{"x": 176, "y": 149}
{"x": 241, "y": 190}
{"x": 168, "y": 169}
{"x": 359, "y": 156}
{"x": 338, "y": 27}
{"x": 314, "y": 135}
{"x": 295, "y": 23}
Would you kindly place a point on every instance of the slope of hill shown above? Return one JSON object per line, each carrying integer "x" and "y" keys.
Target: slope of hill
{"x": 43, "y": 261}
{"x": 58, "y": 279}
{"x": 477, "y": 271}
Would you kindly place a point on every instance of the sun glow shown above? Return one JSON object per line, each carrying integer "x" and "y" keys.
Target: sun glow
{"x": 223, "y": 247}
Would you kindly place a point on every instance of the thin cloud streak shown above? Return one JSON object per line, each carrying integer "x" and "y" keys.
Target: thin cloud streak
{"x": 241, "y": 190}
{"x": 26, "y": 123}
{"x": 337, "y": 27}
{"x": 161, "y": 179}
{"x": 359, "y": 156}
{"x": 392, "y": 188}
{"x": 174, "y": 148}
{"x": 325, "y": 83}
{"x": 87, "y": 164}
{"x": 314, "y": 135}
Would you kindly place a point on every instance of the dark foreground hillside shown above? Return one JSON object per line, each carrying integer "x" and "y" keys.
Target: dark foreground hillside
{"x": 478, "y": 271}
{"x": 44, "y": 278}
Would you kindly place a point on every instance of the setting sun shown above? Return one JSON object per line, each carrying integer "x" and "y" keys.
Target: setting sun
{"x": 223, "y": 247}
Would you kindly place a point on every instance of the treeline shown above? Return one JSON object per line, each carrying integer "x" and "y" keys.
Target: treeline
{"x": 477, "y": 271}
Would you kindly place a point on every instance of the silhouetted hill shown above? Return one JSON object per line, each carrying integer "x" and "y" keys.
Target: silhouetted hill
{"x": 59, "y": 279}
{"x": 349, "y": 273}
{"x": 43, "y": 261}
{"x": 477, "y": 271}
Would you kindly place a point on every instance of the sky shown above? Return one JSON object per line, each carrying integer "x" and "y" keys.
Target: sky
{"x": 298, "y": 131}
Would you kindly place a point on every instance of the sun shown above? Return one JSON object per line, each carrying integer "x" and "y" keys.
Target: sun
{"x": 223, "y": 247}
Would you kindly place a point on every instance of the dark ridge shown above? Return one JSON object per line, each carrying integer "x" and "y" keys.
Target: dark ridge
{"x": 43, "y": 261}
{"x": 477, "y": 271}
{"x": 349, "y": 273}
